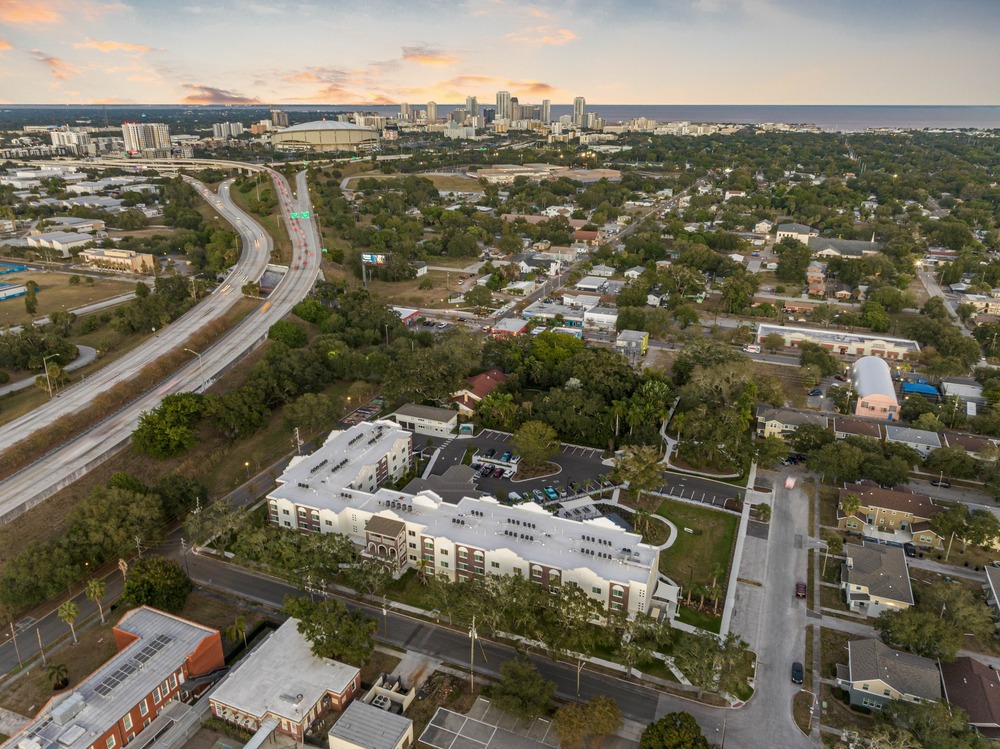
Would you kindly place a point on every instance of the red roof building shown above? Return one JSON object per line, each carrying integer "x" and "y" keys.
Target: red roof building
{"x": 478, "y": 388}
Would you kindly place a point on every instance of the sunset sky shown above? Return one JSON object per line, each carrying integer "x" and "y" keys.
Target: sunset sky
{"x": 387, "y": 51}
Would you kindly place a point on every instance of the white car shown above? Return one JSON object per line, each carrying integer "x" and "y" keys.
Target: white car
{"x": 508, "y": 473}
{"x": 790, "y": 482}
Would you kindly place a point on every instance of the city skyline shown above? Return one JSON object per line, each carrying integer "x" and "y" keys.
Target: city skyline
{"x": 641, "y": 52}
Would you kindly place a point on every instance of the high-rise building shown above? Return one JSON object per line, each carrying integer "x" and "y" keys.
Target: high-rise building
{"x": 503, "y": 105}
{"x": 515, "y": 109}
{"x": 432, "y": 111}
{"x": 223, "y": 130}
{"x": 472, "y": 106}
{"x": 546, "y": 111}
{"x": 487, "y": 114}
{"x": 279, "y": 118}
{"x": 404, "y": 111}
{"x": 140, "y": 136}
{"x": 579, "y": 111}
{"x": 76, "y": 141}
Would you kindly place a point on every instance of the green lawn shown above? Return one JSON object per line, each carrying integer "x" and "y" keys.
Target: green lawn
{"x": 694, "y": 556}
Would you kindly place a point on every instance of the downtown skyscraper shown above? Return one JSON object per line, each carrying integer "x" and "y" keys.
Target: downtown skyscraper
{"x": 579, "y": 111}
{"x": 503, "y": 105}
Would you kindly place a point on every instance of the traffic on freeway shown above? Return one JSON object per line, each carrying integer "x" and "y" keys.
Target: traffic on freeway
{"x": 70, "y": 461}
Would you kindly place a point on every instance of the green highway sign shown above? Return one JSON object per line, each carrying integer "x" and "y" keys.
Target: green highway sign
{"x": 305, "y": 214}
{"x": 295, "y": 215}
{"x": 325, "y": 250}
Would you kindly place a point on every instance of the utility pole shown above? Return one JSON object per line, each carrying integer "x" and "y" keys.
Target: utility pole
{"x": 472, "y": 654}
{"x": 45, "y": 365}
{"x": 13, "y": 634}
{"x": 298, "y": 442}
{"x": 41, "y": 648}
{"x": 201, "y": 366}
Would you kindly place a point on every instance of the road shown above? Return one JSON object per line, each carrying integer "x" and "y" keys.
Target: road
{"x": 69, "y": 462}
{"x": 84, "y": 310}
{"x": 85, "y": 355}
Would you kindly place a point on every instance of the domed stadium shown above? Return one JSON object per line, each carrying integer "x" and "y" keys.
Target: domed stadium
{"x": 326, "y": 135}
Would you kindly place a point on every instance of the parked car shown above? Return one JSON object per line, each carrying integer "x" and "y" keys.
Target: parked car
{"x": 798, "y": 673}
{"x": 514, "y": 497}
{"x": 800, "y": 589}
{"x": 508, "y": 473}
{"x": 840, "y": 378}
{"x": 505, "y": 457}
{"x": 485, "y": 471}
{"x": 476, "y": 466}
{"x": 442, "y": 325}
{"x": 538, "y": 495}
{"x": 491, "y": 452}
{"x": 428, "y": 323}
{"x": 550, "y": 493}
{"x": 939, "y": 482}
{"x": 497, "y": 472}
{"x": 815, "y": 391}
{"x": 910, "y": 550}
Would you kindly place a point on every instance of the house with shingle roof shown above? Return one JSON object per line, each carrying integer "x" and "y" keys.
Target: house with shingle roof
{"x": 975, "y": 689}
{"x": 890, "y": 515}
{"x": 846, "y": 426}
{"x": 921, "y": 440}
{"x": 876, "y": 674}
{"x": 780, "y": 422}
{"x": 477, "y": 388}
{"x": 875, "y": 578}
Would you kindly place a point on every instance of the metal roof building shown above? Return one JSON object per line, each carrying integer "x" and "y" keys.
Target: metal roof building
{"x": 326, "y": 135}
{"x": 873, "y": 384}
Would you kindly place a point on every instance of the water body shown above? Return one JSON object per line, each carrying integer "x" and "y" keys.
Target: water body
{"x": 833, "y": 118}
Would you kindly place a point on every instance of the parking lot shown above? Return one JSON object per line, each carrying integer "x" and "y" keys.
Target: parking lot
{"x": 576, "y": 463}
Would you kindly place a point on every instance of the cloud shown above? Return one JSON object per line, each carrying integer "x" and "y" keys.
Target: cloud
{"x": 542, "y": 35}
{"x": 59, "y": 68}
{"x": 428, "y": 56}
{"x": 28, "y": 12}
{"x": 5, "y": 45}
{"x": 111, "y": 46}
{"x": 459, "y": 86}
{"x": 201, "y": 94}
{"x": 345, "y": 86}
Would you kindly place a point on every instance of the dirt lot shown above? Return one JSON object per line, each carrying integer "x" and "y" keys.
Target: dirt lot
{"x": 409, "y": 294}
{"x": 791, "y": 381}
{"x": 55, "y": 294}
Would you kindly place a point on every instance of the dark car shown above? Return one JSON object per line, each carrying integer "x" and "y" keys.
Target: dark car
{"x": 491, "y": 452}
{"x": 815, "y": 391}
{"x": 505, "y": 457}
{"x": 497, "y": 472}
{"x": 486, "y": 471}
{"x": 798, "y": 673}
{"x": 943, "y": 484}
{"x": 910, "y": 550}
{"x": 840, "y": 378}
{"x": 800, "y": 590}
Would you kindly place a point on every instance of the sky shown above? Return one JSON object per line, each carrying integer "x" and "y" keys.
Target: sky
{"x": 929, "y": 52}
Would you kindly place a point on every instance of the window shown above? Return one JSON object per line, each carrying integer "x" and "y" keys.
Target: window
{"x": 413, "y": 557}
{"x": 479, "y": 571}
{"x": 517, "y": 570}
{"x": 111, "y": 742}
{"x": 537, "y": 572}
{"x": 617, "y": 593}
{"x": 143, "y": 707}
{"x": 443, "y": 564}
{"x": 173, "y": 681}
{"x": 478, "y": 556}
{"x": 127, "y": 722}
{"x": 864, "y": 687}
{"x": 328, "y": 522}
{"x": 412, "y": 533}
{"x": 413, "y": 546}
{"x": 463, "y": 566}
{"x": 462, "y": 553}
{"x": 285, "y": 512}
{"x": 428, "y": 544}
{"x": 164, "y": 688}
{"x": 428, "y": 557}
{"x": 495, "y": 565}
{"x": 615, "y": 606}
{"x": 596, "y": 590}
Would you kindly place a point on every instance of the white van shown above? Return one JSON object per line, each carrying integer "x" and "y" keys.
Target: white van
{"x": 751, "y": 348}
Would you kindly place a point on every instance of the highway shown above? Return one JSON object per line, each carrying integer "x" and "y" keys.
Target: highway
{"x": 69, "y": 462}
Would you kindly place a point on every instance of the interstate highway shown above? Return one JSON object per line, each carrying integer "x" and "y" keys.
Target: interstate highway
{"x": 72, "y": 460}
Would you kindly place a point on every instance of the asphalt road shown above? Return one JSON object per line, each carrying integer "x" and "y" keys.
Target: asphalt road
{"x": 70, "y": 461}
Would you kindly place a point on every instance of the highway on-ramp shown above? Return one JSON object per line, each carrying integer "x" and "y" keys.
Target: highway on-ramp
{"x": 69, "y": 462}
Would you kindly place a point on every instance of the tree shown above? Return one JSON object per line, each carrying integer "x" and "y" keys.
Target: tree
{"x": 370, "y": 577}
{"x": 793, "y": 259}
{"x": 953, "y": 462}
{"x": 58, "y": 674}
{"x": 955, "y": 604}
{"x": 764, "y": 512}
{"x": 773, "y": 342}
{"x": 809, "y": 438}
{"x": 813, "y": 354}
{"x": 673, "y": 731}
{"x": 68, "y": 611}
{"x": 770, "y": 450}
{"x": 112, "y": 519}
{"x": 94, "y": 590}
{"x": 838, "y": 462}
{"x": 157, "y": 582}
{"x": 535, "y": 441}
{"x": 925, "y": 633}
{"x": 874, "y": 316}
{"x": 168, "y": 430}
{"x": 574, "y": 721}
{"x": 238, "y": 630}
{"x": 478, "y": 296}
{"x": 30, "y": 297}
{"x": 639, "y": 638}
{"x": 639, "y": 467}
{"x": 288, "y": 333}
{"x": 982, "y": 528}
{"x": 950, "y": 523}
{"x": 965, "y": 311}
{"x": 521, "y": 691}
{"x": 698, "y": 661}
{"x": 604, "y": 715}
{"x": 333, "y": 631}
{"x": 313, "y": 412}
{"x": 851, "y": 504}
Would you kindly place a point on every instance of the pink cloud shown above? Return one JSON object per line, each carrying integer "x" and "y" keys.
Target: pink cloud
{"x": 536, "y": 36}
{"x": 428, "y": 56}
{"x": 201, "y": 94}
{"x": 111, "y": 46}
{"x": 27, "y": 12}
{"x": 59, "y": 68}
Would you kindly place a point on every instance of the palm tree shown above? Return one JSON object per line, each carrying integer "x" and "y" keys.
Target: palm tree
{"x": 68, "y": 612}
{"x": 851, "y": 504}
{"x": 237, "y": 630}
{"x": 95, "y": 590}
{"x": 57, "y": 673}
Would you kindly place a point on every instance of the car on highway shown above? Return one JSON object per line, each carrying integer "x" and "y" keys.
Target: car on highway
{"x": 798, "y": 673}
{"x": 800, "y": 589}
{"x": 790, "y": 482}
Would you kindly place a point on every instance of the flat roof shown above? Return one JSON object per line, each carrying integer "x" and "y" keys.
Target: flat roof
{"x": 836, "y": 336}
{"x": 163, "y": 645}
{"x": 511, "y": 325}
{"x": 370, "y": 727}
{"x": 608, "y": 311}
{"x": 427, "y": 413}
{"x": 283, "y": 677}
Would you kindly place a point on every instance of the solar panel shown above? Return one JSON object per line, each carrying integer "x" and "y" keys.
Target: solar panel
{"x": 103, "y": 689}
{"x": 129, "y": 668}
{"x": 142, "y": 656}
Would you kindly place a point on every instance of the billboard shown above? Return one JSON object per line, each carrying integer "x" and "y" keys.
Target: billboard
{"x": 368, "y": 258}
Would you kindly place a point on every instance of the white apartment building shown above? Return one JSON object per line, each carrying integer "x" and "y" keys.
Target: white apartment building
{"x": 140, "y": 136}
{"x": 336, "y": 490}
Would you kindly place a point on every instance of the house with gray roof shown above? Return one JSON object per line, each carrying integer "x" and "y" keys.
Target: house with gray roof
{"x": 920, "y": 440}
{"x": 799, "y": 232}
{"x": 875, "y": 578}
{"x": 780, "y": 422}
{"x": 824, "y": 247}
{"x": 876, "y": 674}
{"x": 364, "y": 726}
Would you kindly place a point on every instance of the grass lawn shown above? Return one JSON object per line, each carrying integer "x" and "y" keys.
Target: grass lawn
{"x": 409, "y": 294}
{"x": 272, "y": 223}
{"x": 700, "y": 619}
{"x": 833, "y": 650}
{"x": 377, "y": 665}
{"x": 408, "y": 589}
{"x": 801, "y": 705}
{"x": 56, "y": 294}
{"x": 832, "y": 598}
{"x": 443, "y": 690}
{"x": 828, "y": 499}
{"x": 694, "y": 556}
{"x": 791, "y": 381}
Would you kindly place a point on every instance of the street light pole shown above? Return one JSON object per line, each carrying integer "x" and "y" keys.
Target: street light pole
{"x": 201, "y": 366}
{"x": 472, "y": 655}
{"x": 45, "y": 365}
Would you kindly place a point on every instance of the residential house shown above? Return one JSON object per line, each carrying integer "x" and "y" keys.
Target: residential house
{"x": 846, "y": 426}
{"x": 874, "y": 578}
{"x": 780, "y": 422}
{"x": 634, "y": 272}
{"x": 992, "y": 590}
{"x": 800, "y": 232}
{"x": 876, "y": 394}
{"x": 876, "y": 674}
{"x": 600, "y": 318}
{"x": 816, "y": 279}
{"x": 893, "y": 515}
{"x": 974, "y": 444}
{"x": 590, "y": 238}
{"x": 161, "y": 658}
{"x": 477, "y": 388}
{"x": 632, "y": 342}
{"x": 920, "y": 440}
{"x": 281, "y": 687}
{"x": 603, "y": 271}
{"x": 965, "y": 389}
{"x": 420, "y": 267}
{"x": 520, "y": 288}
{"x": 974, "y": 688}
{"x": 763, "y": 227}
{"x": 428, "y": 420}
{"x": 591, "y": 283}
{"x": 580, "y": 301}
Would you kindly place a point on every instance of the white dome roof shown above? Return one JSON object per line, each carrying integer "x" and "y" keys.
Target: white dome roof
{"x": 324, "y": 125}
